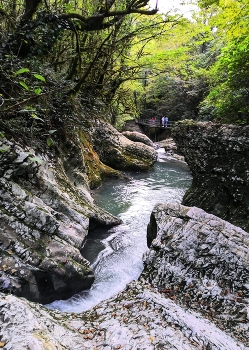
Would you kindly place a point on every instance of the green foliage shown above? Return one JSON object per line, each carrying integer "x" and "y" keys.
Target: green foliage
{"x": 178, "y": 79}
{"x": 207, "y": 3}
{"x": 22, "y": 70}
{"x": 37, "y": 90}
{"x": 40, "y": 77}
{"x": 24, "y": 85}
{"x": 87, "y": 52}
{"x": 58, "y": 58}
{"x": 50, "y": 142}
{"x": 121, "y": 119}
{"x": 204, "y": 71}
{"x": 35, "y": 159}
{"x": 228, "y": 99}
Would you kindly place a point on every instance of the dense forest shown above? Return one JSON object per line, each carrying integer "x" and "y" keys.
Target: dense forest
{"x": 63, "y": 61}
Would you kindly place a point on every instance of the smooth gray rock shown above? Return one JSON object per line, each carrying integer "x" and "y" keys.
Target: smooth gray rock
{"x": 137, "y": 318}
{"x": 115, "y": 150}
{"x": 164, "y": 314}
{"x": 46, "y": 209}
{"x": 138, "y": 137}
{"x": 201, "y": 262}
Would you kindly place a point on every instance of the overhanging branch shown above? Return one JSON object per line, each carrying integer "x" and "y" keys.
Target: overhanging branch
{"x": 96, "y": 22}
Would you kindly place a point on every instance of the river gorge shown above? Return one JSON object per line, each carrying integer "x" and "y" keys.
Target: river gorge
{"x": 122, "y": 247}
{"x": 103, "y": 247}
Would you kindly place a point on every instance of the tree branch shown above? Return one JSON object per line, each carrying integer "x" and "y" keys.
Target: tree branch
{"x": 96, "y": 22}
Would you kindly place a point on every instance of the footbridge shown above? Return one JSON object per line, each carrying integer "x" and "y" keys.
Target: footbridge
{"x": 154, "y": 128}
{"x": 155, "y": 123}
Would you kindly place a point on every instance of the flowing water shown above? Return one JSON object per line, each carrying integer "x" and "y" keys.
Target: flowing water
{"x": 116, "y": 254}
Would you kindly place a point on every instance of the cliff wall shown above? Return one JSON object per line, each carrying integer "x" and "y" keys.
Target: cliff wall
{"x": 217, "y": 156}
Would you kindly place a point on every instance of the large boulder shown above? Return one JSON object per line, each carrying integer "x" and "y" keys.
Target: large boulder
{"x": 46, "y": 211}
{"x": 217, "y": 157}
{"x": 201, "y": 262}
{"x": 118, "y": 152}
{"x": 138, "y": 137}
{"x": 132, "y": 125}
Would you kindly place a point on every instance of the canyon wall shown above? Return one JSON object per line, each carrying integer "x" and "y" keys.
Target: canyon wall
{"x": 217, "y": 156}
{"x": 46, "y": 208}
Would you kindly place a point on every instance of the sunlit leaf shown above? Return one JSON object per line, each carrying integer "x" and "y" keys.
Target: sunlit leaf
{"x": 38, "y": 90}
{"x": 25, "y": 86}
{"x": 22, "y": 70}
{"x": 33, "y": 115}
{"x": 40, "y": 77}
{"x": 36, "y": 159}
{"x": 4, "y": 149}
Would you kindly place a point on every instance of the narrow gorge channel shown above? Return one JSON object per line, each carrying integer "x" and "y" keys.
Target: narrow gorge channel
{"x": 116, "y": 254}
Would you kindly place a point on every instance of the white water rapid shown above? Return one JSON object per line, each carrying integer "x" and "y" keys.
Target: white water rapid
{"x": 116, "y": 255}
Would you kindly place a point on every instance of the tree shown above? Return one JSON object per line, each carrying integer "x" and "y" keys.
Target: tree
{"x": 177, "y": 79}
{"x": 229, "y": 75}
{"x": 82, "y": 47}
{"x": 75, "y": 16}
{"x": 202, "y": 71}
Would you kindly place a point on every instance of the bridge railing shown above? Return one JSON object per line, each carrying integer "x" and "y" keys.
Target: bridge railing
{"x": 155, "y": 123}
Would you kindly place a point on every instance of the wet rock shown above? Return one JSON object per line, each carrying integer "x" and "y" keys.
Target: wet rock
{"x": 217, "y": 157}
{"x": 170, "y": 148}
{"x": 181, "y": 301}
{"x": 193, "y": 293}
{"x": 47, "y": 209}
{"x": 137, "y": 318}
{"x": 201, "y": 262}
{"x": 168, "y": 144}
{"x": 45, "y": 220}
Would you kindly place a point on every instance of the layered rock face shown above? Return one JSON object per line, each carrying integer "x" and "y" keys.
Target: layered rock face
{"x": 217, "y": 156}
{"x": 46, "y": 211}
{"x": 201, "y": 262}
{"x": 192, "y": 295}
{"x": 44, "y": 222}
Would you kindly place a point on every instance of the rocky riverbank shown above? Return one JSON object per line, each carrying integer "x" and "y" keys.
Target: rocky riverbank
{"x": 201, "y": 262}
{"x": 183, "y": 300}
{"x": 47, "y": 209}
{"x": 193, "y": 292}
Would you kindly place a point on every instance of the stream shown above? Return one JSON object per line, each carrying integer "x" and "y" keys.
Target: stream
{"x": 116, "y": 254}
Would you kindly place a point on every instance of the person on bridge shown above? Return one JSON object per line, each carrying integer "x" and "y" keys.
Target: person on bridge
{"x": 166, "y": 121}
{"x": 162, "y": 121}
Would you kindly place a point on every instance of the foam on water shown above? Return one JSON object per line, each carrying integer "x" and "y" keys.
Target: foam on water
{"x": 119, "y": 251}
